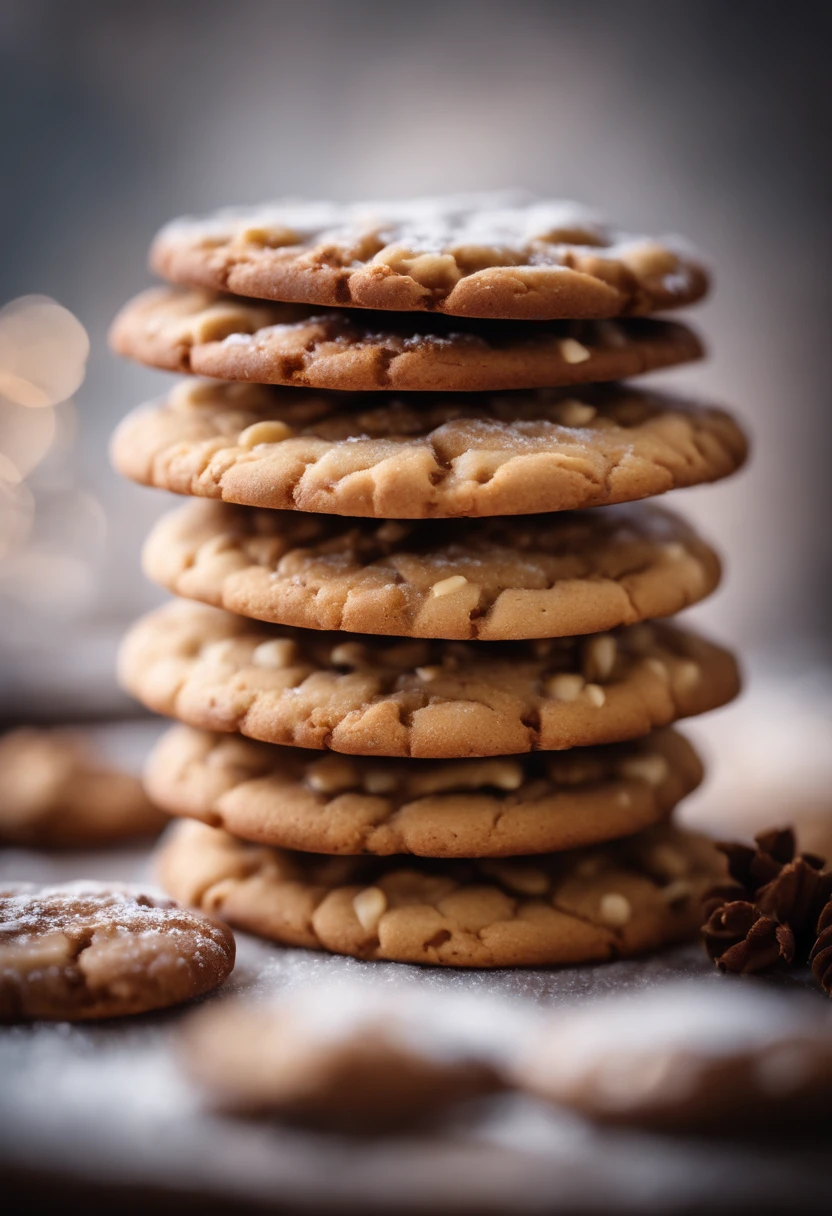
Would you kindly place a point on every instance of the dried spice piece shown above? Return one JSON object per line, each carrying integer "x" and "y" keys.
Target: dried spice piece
{"x": 740, "y": 939}
{"x": 797, "y": 894}
{"x": 820, "y": 956}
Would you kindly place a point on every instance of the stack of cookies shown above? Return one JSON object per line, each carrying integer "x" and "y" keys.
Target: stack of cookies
{"x": 425, "y": 707}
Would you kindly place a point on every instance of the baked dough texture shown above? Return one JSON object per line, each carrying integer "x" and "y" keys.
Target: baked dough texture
{"x": 497, "y": 807}
{"x": 81, "y": 950}
{"x": 405, "y": 697}
{"x": 416, "y": 457}
{"x": 499, "y": 255}
{"x": 494, "y": 579}
{"x": 606, "y": 902}
{"x": 237, "y": 339}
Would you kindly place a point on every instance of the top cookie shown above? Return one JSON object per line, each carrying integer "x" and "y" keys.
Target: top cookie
{"x": 501, "y": 255}
{"x": 237, "y": 339}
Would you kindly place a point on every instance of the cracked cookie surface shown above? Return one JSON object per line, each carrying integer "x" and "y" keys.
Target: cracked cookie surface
{"x": 367, "y": 695}
{"x": 56, "y": 795}
{"x": 548, "y": 576}
{"x": 237, "y": 339}
{"x": 587, "y": 905}
{"x": 499, "y": 807}
{"x": 414, "y": 457}
{"x": 82, "y": 950}
{"x": 476, "y": 255}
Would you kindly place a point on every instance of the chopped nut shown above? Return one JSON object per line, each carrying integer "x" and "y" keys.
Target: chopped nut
{"x": 575, "y": 413}
{"x": 191, "y": 393}
{"x": 446, "y": 586}
{"x": 677, "y": 892}
{"x": 674, "y": 551}
{"x": 279, "y": 652}
{"x": 332, "y": 775}
{"x": 651, "y": 768}
{"x": 272, "y": 238}
{"x": 598, "y": 658}
{"x": 380, "y": 781}
{"x": 566, "y": 686}
{"x": 369, "y": 906}
{"x": 615, "y": 909}
{"x": 348, "y": 654}
{"x": 264, "y": 432}
{"x": 223, "y": 651}
{"x": 595, "y": 695}
{"x": 658, "y": 667}
{"x": 217, "y": 322}
{"x": 686, "y": 676}
{"x": 666, "y": 862}
{"x": 391, "y": 532}
{"x": 589, "y": 867}
{"x": 573, "y": 351}
{"x": 429, "y": 673}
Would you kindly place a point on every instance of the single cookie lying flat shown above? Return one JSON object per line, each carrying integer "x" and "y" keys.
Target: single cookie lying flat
{"x": 495, "y": 579}
{"x": 416, "y": 457}
{"x": 399, "y": 697}
{"x": 606, "y": 902}
{"x": 238, "y": 339}
{"x": 82, "y": 950}
{"x": 54, "y": 795}
{"x": 498, "y": 807}
{"x": 501, "y": 255}
{"x": 355, "y": 1059}
{"x": 707, "y": 1059}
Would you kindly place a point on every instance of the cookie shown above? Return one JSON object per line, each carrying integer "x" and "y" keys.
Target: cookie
{"x": 398, "y": 697}
{"x": 499, "y": 807}
{"x": 291, "y": 344}
{"x": 347, "y": 1058}
{"x": 416, "y": 457}
{"x": 686, "y": 1058}
{"x": 609, "y": 901}
{"x": 503, "y": 255}
{"x": 82, "y": 950}
{"x": 492, "y": 579}
{"x": 53, "y": 794}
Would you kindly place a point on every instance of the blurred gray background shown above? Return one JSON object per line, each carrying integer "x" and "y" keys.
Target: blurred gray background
{"x": 697, "y": 116}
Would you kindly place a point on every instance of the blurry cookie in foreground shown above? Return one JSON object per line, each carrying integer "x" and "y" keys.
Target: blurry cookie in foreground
{"x": 82, "y": 950}
{"x": 586, "y": 905}
{"x": 55, "y": 794}
{"x": 703, "y": 1058}
{"x": 349, "y": 1058}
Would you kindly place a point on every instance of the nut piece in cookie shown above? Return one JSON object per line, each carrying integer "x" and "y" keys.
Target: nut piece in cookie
{"x": 688, "y": 1057}
{"x": 82, "y": 950}
{"x": 54, "y": 794}
{"x": 352, "y": 1059}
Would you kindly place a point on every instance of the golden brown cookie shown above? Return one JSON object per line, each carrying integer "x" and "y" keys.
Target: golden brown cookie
{"x": 53, "y": 794}
{"x": 354, "y": 1059}
{"x": 493, "y": 579}
{"x": 498, "y": 807}
{"x": 416, "y": 457}
{"x": 685, "y": 1058}
{"x": 406, "y": 697}
{"x": 82, "y": 950}
{"x": 499, "y": 255}
{"x": 588, "y": 905}
{"x": 291, "y": 344}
